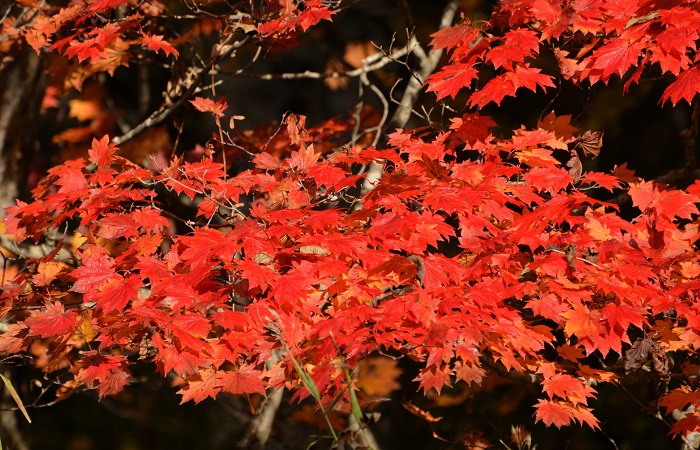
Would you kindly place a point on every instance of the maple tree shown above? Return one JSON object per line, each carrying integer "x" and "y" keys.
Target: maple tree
{"x": 300, "y": 254}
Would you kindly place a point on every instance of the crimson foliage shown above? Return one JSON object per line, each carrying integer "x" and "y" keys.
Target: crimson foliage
{"x": 475, "y": 252}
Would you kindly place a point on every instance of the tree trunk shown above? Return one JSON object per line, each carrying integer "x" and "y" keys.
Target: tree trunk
{"x": 21, "y": 92}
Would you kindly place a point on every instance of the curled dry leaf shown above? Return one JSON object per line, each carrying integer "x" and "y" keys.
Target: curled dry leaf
{"x": 262, "y": 258}
{"x": 520, "y": 437}
{"x": 575, "y": 167}
{"x": 638, "y": 354}
{"x": 591, "y": 142}
{"x": 313, "y": 250}
{"x": 423, "y": 414}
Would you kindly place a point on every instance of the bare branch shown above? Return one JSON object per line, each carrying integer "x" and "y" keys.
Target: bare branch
{"x": 370, "y": 64}
{"x": 428, "y": 63}
{"x": 166, "y": 111}
{"x": 260, "y": 427}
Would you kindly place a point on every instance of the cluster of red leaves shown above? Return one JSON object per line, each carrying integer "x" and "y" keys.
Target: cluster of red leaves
{"x": 89, "y": 37}
{"x": 536, "y": 263}
{"x": 471, "y": 250}
{"x": 285, "y": 19}
{"x": 591, "y": 40}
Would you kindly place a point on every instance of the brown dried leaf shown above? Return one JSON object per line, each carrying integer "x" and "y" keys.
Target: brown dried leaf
{"x": 296, "y": 128}
{"x": 591, "y": 142}
{"x": 313, "y": 250}
{"x": 660, "y": 362}
{"x": 591, "y": 255}
{"x": 571, "y": 256}
{"x": 638, "y": 354}
{"x": 262, "y": 258}
{"x": 575, "y": 167}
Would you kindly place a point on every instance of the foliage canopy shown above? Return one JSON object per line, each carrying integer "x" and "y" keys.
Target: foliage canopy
{"x": 477, "y": 251}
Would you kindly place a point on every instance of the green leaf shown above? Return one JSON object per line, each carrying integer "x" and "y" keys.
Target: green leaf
{"x": 13, "y": 393}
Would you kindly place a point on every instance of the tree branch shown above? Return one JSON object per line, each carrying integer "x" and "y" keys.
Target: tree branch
{"x": 370, "y": 64}
{"x": 165, "y": 111}
{"x": 428, "y": 63}
{"x": 260, "y": 427}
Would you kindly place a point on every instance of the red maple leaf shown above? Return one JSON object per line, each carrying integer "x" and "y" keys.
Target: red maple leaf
{"x": 472, "y": 128}
{"x": 684, "y": 88}
{"x": 453, "y": 36}
{"x": 107, "y": 370}
{"x": 72, "y": 181}
{"x": 603, "y": 180}
{"x": 582, "y": 322}
{"x": 245, "y": 380}
{"x": 330, "y": 175}
{"x": 87, "y": 49}
{"x": 94, "y": 271}
{"x": 643, "y": 194}
{"x": 433, "y": 378}
{"x": 680, "y": 398}
{"x": 217, "y": 108}
{"x": 314, "y": 15}
{"x": 617, "y": 57}
{"x": 195, "y": 324}
{"x": 200, "y": 386}
{"x": 46, "y": 273}
{"x": 156, "y": 43}
{"x": 583, "y": 414}
{"x": 116, "y": 293}
{"x": 99, "y": 6}
{"x": 119, "y": 225}
{"x": 258, "y": 275}
{"x": 567, "y": 387}
{"x": 102, "y": 151}
{"x": 170, "y": 358}
{"x": 529, "y": 77}
{"x": 53, "y": 320}
{"x": 507, "y": 83}
{"x": 451, "y": 79}
{"x": 688, "y": 424}
{"x": 552, "y": 412}
{"x": 303, "y": 159}
{"x": 518, "y": 45}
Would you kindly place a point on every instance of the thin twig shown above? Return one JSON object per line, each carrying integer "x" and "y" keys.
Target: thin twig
{"x": 370, "y": 64}
{"x": 165, "y": 111}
